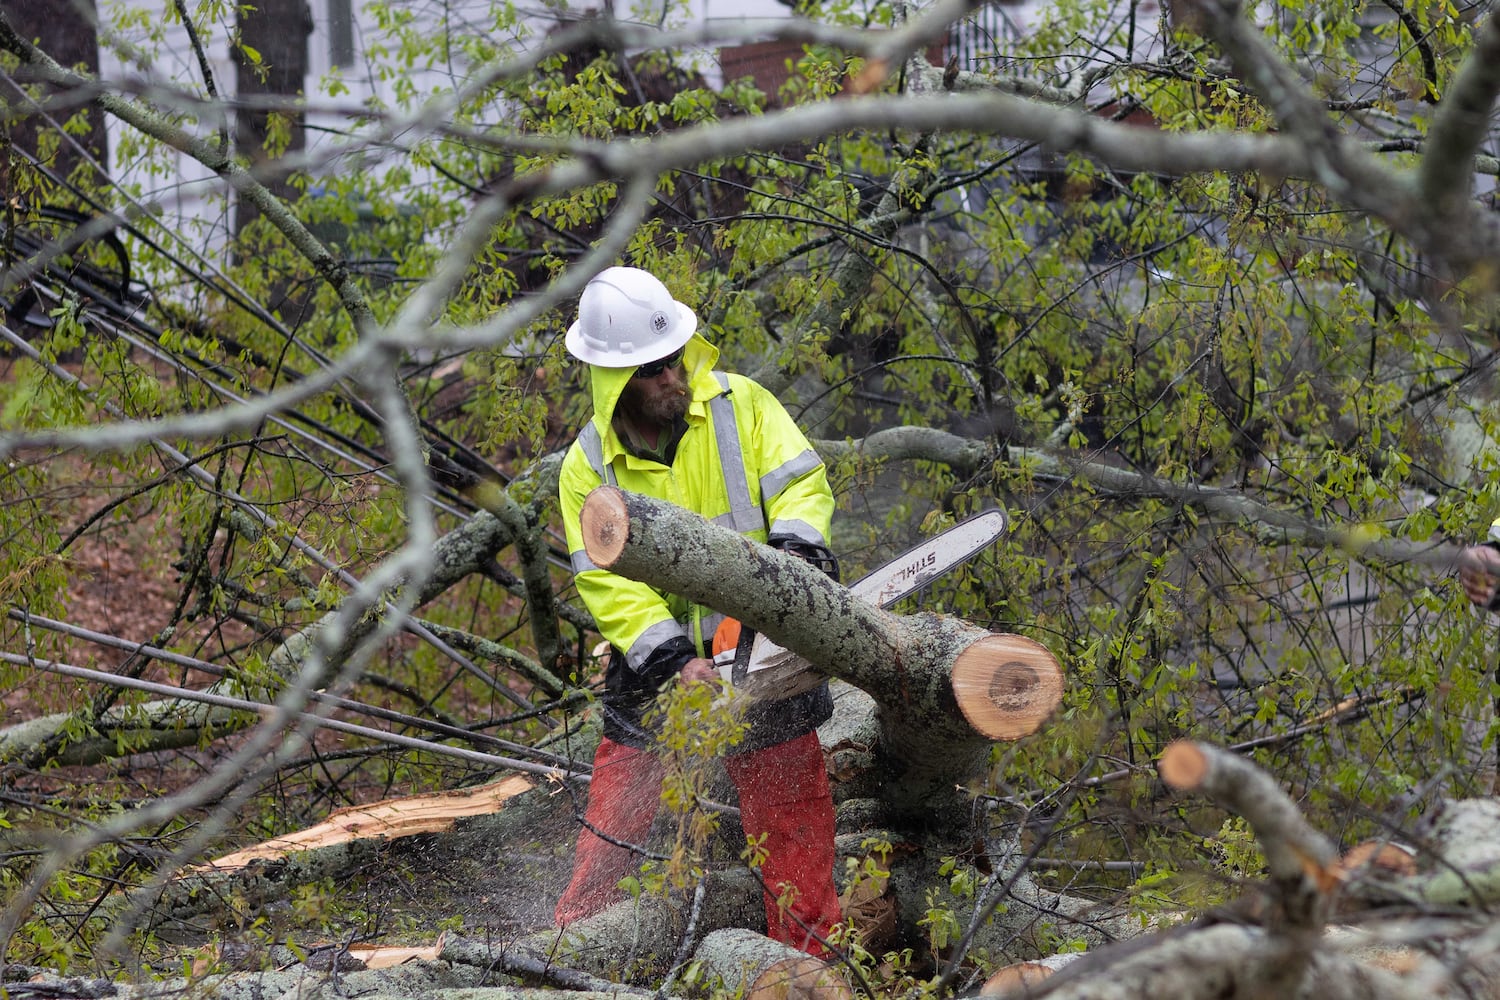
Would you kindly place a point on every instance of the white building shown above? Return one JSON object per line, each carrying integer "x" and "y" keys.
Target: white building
{"x": 151, "y": 54}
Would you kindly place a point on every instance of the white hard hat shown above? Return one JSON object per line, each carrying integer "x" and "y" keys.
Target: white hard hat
{"x": 626, "y": 317}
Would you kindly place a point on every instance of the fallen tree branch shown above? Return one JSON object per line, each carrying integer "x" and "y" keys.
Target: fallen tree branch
{"x": 522, "y": 962}
{"x": 1223, "y": 961}
{"x": 257, "y": 710}
{"x": 634, "y": 939}
{"x": 1302, "y": 862}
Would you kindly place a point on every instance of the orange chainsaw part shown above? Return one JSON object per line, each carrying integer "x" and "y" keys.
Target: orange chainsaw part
{"x": 726, "y": 636}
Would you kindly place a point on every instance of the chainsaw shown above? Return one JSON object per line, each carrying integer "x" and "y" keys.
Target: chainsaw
{"x": 765, "y": 669}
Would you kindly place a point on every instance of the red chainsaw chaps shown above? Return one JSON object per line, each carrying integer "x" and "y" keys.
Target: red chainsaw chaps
{"x": 784, "y": 795}
{"x": 783, "y": 792}
{"x": 623, "y": 795}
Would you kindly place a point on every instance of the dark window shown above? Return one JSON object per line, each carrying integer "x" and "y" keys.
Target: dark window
{"x": 340, "y": 32}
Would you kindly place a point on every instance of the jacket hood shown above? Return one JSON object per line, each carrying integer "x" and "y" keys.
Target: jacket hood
{"x": 606, "y": 385}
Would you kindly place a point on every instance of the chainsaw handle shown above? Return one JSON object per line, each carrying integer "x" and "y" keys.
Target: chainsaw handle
{"x": 739, "y": 669}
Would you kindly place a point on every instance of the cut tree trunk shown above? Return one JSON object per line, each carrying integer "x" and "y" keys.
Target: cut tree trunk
{"x": 945, "y": 690}
{"x": 926, "y": 697}
{"x": 632, "y": 940}
{"x": 940, "y": 692}
{"x": 1021, "y": 976}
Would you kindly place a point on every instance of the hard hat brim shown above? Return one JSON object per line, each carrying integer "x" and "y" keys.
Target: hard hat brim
{"x": 682, "y": 331}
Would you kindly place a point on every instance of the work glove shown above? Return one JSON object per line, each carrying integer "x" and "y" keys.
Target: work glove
{"x": 819, "y": 555}
{"x": 666, "y": 661}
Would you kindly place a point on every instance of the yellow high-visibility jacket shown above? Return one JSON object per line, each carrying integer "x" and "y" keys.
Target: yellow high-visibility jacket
{"x": 742, "y": 463}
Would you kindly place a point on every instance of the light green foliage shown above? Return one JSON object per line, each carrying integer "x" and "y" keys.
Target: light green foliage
{"x": 1233, "y": 336}
{"x": 1236, "y": 854}
{"x": 696, "y": 724}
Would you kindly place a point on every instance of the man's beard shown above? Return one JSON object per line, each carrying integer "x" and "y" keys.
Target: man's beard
{"x": 662, "y": 408}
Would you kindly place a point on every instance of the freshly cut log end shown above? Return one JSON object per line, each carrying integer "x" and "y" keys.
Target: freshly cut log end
{"x": 1013, "y": 979}
{"x": 1378, "y": 857}
{"x": 1017, "y": 980}
{"x": 1007, "y": 685}
{"x": 605, "y": 523}
{"x": 800, "y": 979}
{"x": 1183, "y": 765}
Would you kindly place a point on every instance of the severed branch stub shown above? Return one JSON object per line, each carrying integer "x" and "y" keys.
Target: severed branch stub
{"x": 1302, "y": 863}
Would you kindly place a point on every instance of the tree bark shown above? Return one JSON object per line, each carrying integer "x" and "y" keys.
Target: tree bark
{"x": 1458, "y": 865}
{"x": 277, "y": 30}
{"x": 413, "y": 979}
{"x": 1224, "y": 961}
{"x": 754, "y": 966}
{"x": 634, "y": 939}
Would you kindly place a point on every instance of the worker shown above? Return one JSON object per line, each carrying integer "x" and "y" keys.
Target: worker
{"x": 1479, "y": 570}
{"x": 667, "y": 425}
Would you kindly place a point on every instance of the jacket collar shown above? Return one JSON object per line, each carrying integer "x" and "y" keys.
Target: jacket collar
{"x": 606, "y": 385}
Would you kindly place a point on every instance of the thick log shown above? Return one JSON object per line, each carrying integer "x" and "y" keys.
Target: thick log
{"x": 504, "y": 993}
{"x": 1460, "y": 863}
{"x": 501, "y": 993}
{"x": 754, "y": 966}
{"x": 417, "y": 978}
{"x": 1226, "y": 961}
{"x": 932, "y": 734}
{"x": 533, "y": 959}
{"x": 410, "y": 980}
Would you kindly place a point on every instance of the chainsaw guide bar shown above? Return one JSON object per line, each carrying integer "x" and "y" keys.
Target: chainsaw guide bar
{"x": 775, "y": 672}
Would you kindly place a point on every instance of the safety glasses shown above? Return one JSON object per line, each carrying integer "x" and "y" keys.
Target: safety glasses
{"x": 651, "y": 369}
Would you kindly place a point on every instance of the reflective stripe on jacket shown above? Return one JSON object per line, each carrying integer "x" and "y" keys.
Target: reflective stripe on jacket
{"x": 742, "y": 463}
